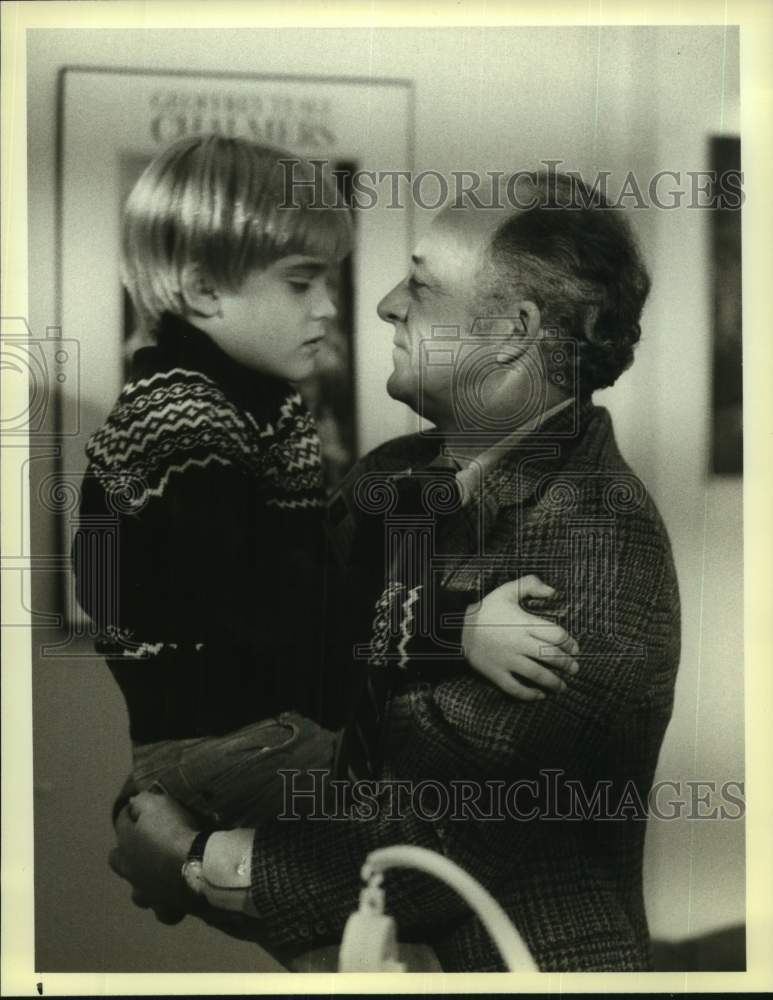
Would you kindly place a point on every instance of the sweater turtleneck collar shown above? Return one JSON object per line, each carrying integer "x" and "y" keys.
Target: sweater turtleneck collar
{"x": 179, "y": 344}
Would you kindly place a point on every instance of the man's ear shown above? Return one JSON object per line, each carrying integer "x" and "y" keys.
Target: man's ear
{"x": 199, "y": 293}
{"x": 525, "y": 323}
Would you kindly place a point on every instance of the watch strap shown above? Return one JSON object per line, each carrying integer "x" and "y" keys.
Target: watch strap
{"x": 197, "y": 848}
{"x": 193, "y": 866}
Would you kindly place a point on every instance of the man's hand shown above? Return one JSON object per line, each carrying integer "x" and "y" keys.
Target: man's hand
{"x": 154, "y": 836}
{"x": 501, "y": 639}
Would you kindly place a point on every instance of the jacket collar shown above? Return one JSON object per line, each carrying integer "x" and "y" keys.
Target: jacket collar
{"x": 514, "y": 477}
{"x": 573, "y": 437}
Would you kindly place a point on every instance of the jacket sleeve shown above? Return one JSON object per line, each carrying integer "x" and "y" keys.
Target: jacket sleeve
{"x": 306, "y": 881}
{"x": 627, "y": 629}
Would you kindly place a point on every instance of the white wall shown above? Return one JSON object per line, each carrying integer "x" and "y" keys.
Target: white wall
{"x": 614, "y": 99}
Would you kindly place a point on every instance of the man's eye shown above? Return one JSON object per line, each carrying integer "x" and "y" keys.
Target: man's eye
{"x": 299, "y": 286}
{"x": 414, "y": 284}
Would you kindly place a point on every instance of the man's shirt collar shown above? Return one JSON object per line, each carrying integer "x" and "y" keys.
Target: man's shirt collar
{"x": 473, "y": 470}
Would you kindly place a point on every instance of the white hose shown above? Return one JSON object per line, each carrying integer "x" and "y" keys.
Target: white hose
{"x": 510, "y": 943}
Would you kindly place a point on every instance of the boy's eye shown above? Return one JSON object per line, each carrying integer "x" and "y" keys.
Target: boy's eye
{"x": 414, "y": 284}
{"x": 298, "y": 285}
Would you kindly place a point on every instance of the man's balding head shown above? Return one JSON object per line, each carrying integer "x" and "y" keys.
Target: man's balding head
{"x": 489, "y": 289}
{"x": 579, "y": 262}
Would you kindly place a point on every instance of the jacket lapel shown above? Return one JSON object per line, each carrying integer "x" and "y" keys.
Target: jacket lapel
{"x": 471, "y": 544}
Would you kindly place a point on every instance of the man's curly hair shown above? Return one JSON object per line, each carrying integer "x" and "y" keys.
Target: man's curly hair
{"x": 577, "y": 260}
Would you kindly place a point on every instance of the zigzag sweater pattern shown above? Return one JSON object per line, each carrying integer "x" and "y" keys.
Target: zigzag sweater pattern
{"x": 200, "y": 546}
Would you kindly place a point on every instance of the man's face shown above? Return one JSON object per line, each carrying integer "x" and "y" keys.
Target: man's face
{"x": 439, "y": 292}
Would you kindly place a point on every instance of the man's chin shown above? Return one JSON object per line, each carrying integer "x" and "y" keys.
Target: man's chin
{"x": 403, "y": 391}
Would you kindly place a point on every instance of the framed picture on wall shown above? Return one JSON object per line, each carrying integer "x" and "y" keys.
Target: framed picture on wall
{"x": 727, "y": 350}
{"x": 112, "y": 123}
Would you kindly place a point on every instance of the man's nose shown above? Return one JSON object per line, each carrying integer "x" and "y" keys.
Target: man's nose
{"x": 392, "y": 308}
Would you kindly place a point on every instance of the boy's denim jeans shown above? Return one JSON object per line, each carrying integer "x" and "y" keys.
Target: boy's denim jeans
{"x": 233, "y": 780}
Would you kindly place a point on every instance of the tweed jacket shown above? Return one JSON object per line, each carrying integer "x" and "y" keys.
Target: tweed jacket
{"x": 567, "y": 864}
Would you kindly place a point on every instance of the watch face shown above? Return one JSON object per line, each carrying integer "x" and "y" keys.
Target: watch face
{"x": 193, "y": 875}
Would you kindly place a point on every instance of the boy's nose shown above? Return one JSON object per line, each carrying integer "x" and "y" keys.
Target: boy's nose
{"x": 325, "y": 307}
{"x": 392, "y": 308}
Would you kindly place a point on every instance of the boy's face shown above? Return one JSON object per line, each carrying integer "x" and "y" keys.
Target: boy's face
{"x": 276, "y": 321}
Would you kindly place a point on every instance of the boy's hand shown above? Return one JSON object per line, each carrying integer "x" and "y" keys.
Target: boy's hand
{"x": 501, "y": 640}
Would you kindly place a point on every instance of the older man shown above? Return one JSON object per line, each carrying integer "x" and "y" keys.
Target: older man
{"x": 504, "y": 326}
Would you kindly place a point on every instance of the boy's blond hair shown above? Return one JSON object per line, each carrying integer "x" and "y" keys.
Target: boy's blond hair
{"x": 216, "y": 202}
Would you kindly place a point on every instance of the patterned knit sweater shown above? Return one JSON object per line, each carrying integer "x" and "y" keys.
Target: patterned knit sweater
{"x": 200, "y": 546}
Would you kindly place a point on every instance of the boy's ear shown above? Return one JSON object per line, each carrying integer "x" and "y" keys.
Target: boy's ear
{"x": 199, "y": 293}
{"x": 525, "y": 324}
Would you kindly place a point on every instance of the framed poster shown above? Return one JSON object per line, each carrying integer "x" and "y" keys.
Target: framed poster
{"x": 727, "y": 352}
{"x": 113, "y": 122}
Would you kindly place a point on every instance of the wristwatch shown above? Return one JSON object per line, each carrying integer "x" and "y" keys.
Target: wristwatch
{"x": 193, "y": 866}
